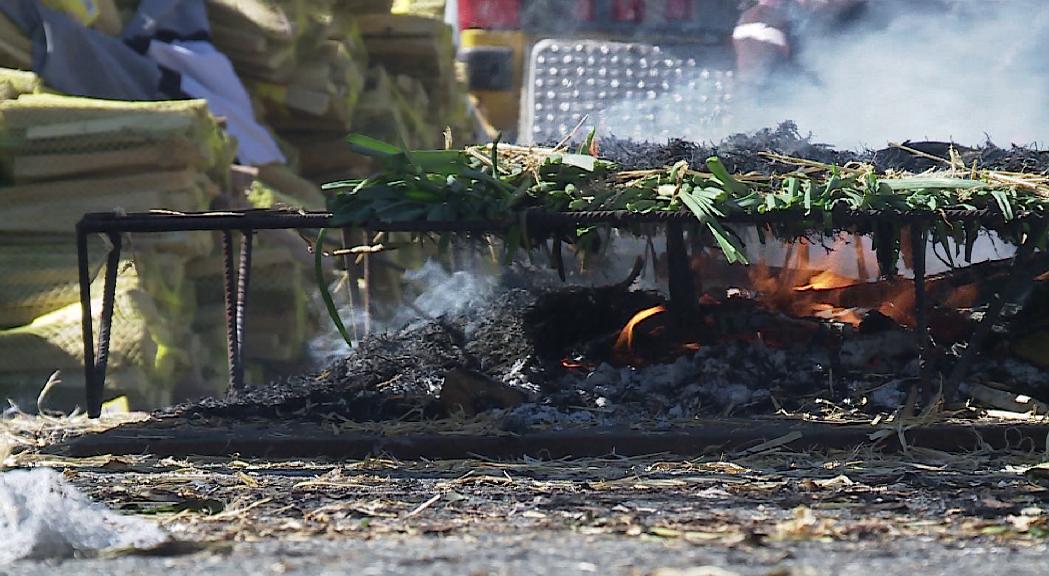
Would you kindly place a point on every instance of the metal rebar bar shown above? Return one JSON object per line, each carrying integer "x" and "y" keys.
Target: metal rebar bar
{"x": 243, "y": 285}
{"x": 537, "y": 219}
{"x": 919, "y": 241}
{"x": 93, "y": 388}
{"x": 679, "y": 273}
{"x": 230, "y": 292}
{"x": 109, "y": 291}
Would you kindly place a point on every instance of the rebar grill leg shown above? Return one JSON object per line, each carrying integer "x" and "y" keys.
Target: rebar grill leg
{"x": 92, "y": 389}
{"x": 919, "y": 240}
{"x": 679, "y": 273}
{"x": 243, "y": 278}
{"x": 232, "y": 332}
{"x": 95, "y": 364}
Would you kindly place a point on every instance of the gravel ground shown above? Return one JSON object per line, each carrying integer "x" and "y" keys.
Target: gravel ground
{"x": 551, "y": 552}
{"x": 771, "y": 513}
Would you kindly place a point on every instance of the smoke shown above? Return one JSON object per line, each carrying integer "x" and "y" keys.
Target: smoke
{"x": 965, "y": 74}
{"x": 931, "y": 70}
{"x": 440, "y": 293}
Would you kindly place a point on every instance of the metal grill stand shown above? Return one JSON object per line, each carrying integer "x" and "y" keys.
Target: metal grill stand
{"x": 682, "y": 284}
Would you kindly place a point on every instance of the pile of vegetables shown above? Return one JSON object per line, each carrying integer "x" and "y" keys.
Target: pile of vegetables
{"x": 500, "y": 182}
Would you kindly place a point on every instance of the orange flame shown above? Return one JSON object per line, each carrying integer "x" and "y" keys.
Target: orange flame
{"x": 625, "y": 340}
{"x": 826, "y": 280}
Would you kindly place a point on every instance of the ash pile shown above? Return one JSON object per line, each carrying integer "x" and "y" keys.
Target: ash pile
{"x": 555, "y": 358}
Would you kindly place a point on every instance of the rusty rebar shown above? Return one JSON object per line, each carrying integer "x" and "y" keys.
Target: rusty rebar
{"x": 230, "y": 293}
{"x": 243, "y": 279}
{"x": 919, "y": 242}
{"x": 679, "y": 273}
{"x": 92, "y": 386}
{"x": 536, "y": 218}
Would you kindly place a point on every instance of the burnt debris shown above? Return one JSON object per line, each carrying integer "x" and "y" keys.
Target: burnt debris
{"x": 741, "y": 153}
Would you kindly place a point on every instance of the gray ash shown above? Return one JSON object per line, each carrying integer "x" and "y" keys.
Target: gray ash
{"x": 742, "y": 153}
{"x": 515, "y": 356}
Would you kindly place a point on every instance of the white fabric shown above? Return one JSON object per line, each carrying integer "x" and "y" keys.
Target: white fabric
{"x": 43, "y": 517}
{"x": 208, "y": 74}
{"x": 760, "y": 32}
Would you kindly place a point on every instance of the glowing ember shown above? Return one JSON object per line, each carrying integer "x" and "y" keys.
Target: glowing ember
{"x": 844, "y": 315}
{"x": 826, "y": 280}
{"x": 693, "y": 346}
{"x": 625, "y": 340}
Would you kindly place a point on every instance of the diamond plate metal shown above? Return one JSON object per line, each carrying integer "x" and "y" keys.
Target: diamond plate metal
{"x": 630, "y": 90}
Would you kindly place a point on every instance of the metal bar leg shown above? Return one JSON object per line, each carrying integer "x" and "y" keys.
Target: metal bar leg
{"x": 93, "y": 389}
{"x": 919, "y": 241}
{"x": 232, "y": 342}
{"x": 109, "y": 291}
{"x": 682, "y": 285}
{"x": 243, "y": 279}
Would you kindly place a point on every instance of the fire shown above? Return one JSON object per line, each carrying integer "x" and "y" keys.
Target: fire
{"x": 844, "y": 315}
{"x": 625, "y": 341}
{"x": 810, "y": 281}
{"x": 826, "y": 280}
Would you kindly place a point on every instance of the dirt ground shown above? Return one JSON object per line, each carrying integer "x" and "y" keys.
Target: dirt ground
{"x": 776, "y": 512}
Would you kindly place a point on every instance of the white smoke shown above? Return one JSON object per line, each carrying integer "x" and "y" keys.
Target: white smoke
{"x": 966, "y": 75}
{"x": 440, "y": 293}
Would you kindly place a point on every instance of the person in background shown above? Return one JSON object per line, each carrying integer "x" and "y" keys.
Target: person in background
{"x": 766, "y": 36}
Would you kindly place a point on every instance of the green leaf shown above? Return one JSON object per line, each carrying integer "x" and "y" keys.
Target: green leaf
{"x": 733, "y": 253}
{"x": 495, "y": 154}
{"x": 1003, "y": 204}
{"x": 733, "y": 186}
{"x": 322, "y": 285}
{"x": 583, "y": 161}
{"x": 369, "y": 146}
{"x": 588, "y": 143}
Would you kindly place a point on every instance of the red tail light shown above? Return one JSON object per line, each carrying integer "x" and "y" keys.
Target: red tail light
{"x": 628, "y": 10}
{"x": 490, "y": 14}
{"x": 679, "y": 10}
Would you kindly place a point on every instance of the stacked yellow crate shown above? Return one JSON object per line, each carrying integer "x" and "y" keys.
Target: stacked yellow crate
{"x": 61, "y": 157}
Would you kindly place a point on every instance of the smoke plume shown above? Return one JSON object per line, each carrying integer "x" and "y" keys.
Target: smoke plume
{"x": 964, "y": 72}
